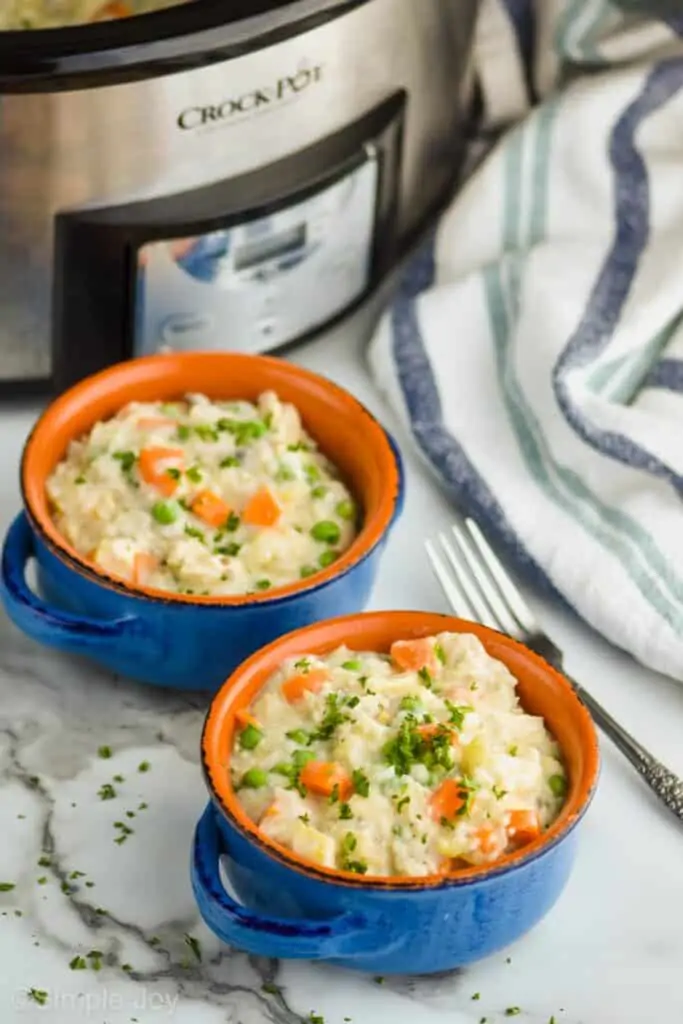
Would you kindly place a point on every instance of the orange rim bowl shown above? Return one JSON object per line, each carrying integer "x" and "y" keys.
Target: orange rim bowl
{"x": 542, "y": 691}
{"x": 344, "y": 429}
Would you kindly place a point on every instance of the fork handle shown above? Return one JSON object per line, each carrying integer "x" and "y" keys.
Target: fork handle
{"x": 667, "y": 786}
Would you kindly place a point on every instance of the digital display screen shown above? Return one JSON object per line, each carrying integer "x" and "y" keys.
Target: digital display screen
{"x": 253, "y": 253}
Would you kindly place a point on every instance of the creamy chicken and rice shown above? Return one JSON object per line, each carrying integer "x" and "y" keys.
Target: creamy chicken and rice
{"x": 200, "y": 497}
{"x": 413, "y": 763}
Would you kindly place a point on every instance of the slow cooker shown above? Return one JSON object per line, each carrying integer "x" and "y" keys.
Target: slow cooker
{"x": 227, "y": 174}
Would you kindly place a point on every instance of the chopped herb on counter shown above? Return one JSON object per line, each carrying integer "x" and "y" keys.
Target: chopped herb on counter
{"x": 119, "y": 778}
{"x": 42, "y": 880}
{"x": 78, "y": 963}
{"x": 106, "y": 791}
{"x": 512, "y": 1011}
{"x": 270, "y": 988}
{"x": 7, "y": 886}
{"x": 476, "y": 996}
{"x": 38, "y": 995}
{"x": 144, "y": 766}
{"x": 193, "y": 944}
{"x": 378, "y": 979}
{"x": 316, "y": 1018}
{"x": 104, "y": 752}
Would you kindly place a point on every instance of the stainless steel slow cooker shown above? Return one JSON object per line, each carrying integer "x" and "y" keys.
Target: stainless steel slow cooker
{"x": 224, "y": 174}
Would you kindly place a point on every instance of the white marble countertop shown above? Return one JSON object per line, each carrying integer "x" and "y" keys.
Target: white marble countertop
{"x": 610, "y": 951}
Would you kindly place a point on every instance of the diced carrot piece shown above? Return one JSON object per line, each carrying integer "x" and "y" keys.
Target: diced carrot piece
{"x": 153, "y": 470}
{"x": 244, "y": 718}
{"x": 486, "y": 839}
{"x": 294, "y": 688}
{"x": 113, "y": 9}
{"x": 152, "y": 422}
{"x": 211, "y": 508}
{"x": 412, "y": 655}
{"x": 523, "y": 826}
{"x": 447, "y": 800}
{"x": 143, "y": 566}
{"x": 321, "y": 777}
{"x": 270, "y": 812}
{"x": 262, "y": 509}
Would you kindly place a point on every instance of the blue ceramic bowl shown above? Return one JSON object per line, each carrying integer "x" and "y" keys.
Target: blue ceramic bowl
{"x": 175, "y": 640}
{"x": 286, "y": 907}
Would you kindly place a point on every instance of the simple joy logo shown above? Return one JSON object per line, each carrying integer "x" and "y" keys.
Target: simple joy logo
{"x": 93, "y": 1005}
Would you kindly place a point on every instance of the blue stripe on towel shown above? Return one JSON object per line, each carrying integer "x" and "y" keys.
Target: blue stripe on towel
{"x": 613, "y": 286}
{"x": 421, "y": 396}
{"x": 667, "y": 375}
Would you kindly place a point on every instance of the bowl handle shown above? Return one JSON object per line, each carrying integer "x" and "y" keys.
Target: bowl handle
{"x": 401, "y": 491}
{"x": 46, "y": 623}
{"x": 339, "y": 938}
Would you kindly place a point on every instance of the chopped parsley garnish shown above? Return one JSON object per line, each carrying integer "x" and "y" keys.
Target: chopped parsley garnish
{"x": 303, "y": 664}
{"x": 232, "y": 522}
{"x": 193, "y": 943}
{"x": 499, "y": 792}
{"x": 513, "y": 750}
{"x": 361, "y": 783}
{"x": 205, "y": 432}
{"x": 104, "y": 752}
{"x": 440, "y": 653}
{"x": 298, "y": 736}
{"x": 345, "y": 812}
{"x": 332, "y": 719}
{"x": 327, "y": 558}
{"x": 348, "y": 846}
{"x": 409, "y": 703}
{"x": 425, "y": 677}
{"x": 228, "y": 461}
{"x": 558, "y": 785}
{"x": 408, "y": 748}
{"x": 457, "y": 713}
{"x": 319, "y": 492}
{"x": 192, "y": 531}
{"x": 173, "y": 472}
{"x": 334, "y": 795}
{"x": 403, "y": 802}
{"x": 305, "y": 818}
{"x": 184, "y": 432}
{"x": 228, "y": 549}
{"x": 127, "y": 460}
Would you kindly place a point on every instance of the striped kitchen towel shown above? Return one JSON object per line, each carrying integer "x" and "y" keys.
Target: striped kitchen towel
{"x": 535, "y": 348}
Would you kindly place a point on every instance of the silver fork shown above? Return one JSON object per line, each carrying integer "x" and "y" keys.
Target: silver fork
{"x": 478, "y": 588}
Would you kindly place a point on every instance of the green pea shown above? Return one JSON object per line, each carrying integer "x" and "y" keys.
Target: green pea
{"x": 250, "y": 737}
{"x": 298, "y": 736}
{"x": 306, "y": 571}
{"x": 302, "y": 757}
{"x": 326, "y": 532}
{"x": 346, "y": 510}
{"x": 288, "y": 770}
{"x": 255, "y": 778}
{"x": 165, "y": 512}
{"x": 327, "y": 558}
{"x": 263, "y": 584}
{"x": 558, "y": 784}
{"x": 353, "y": 666}
{"x": 319, "y": 492}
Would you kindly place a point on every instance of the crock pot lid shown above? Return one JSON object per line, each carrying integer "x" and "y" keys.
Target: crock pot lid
{"x": 175, "y": 39}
